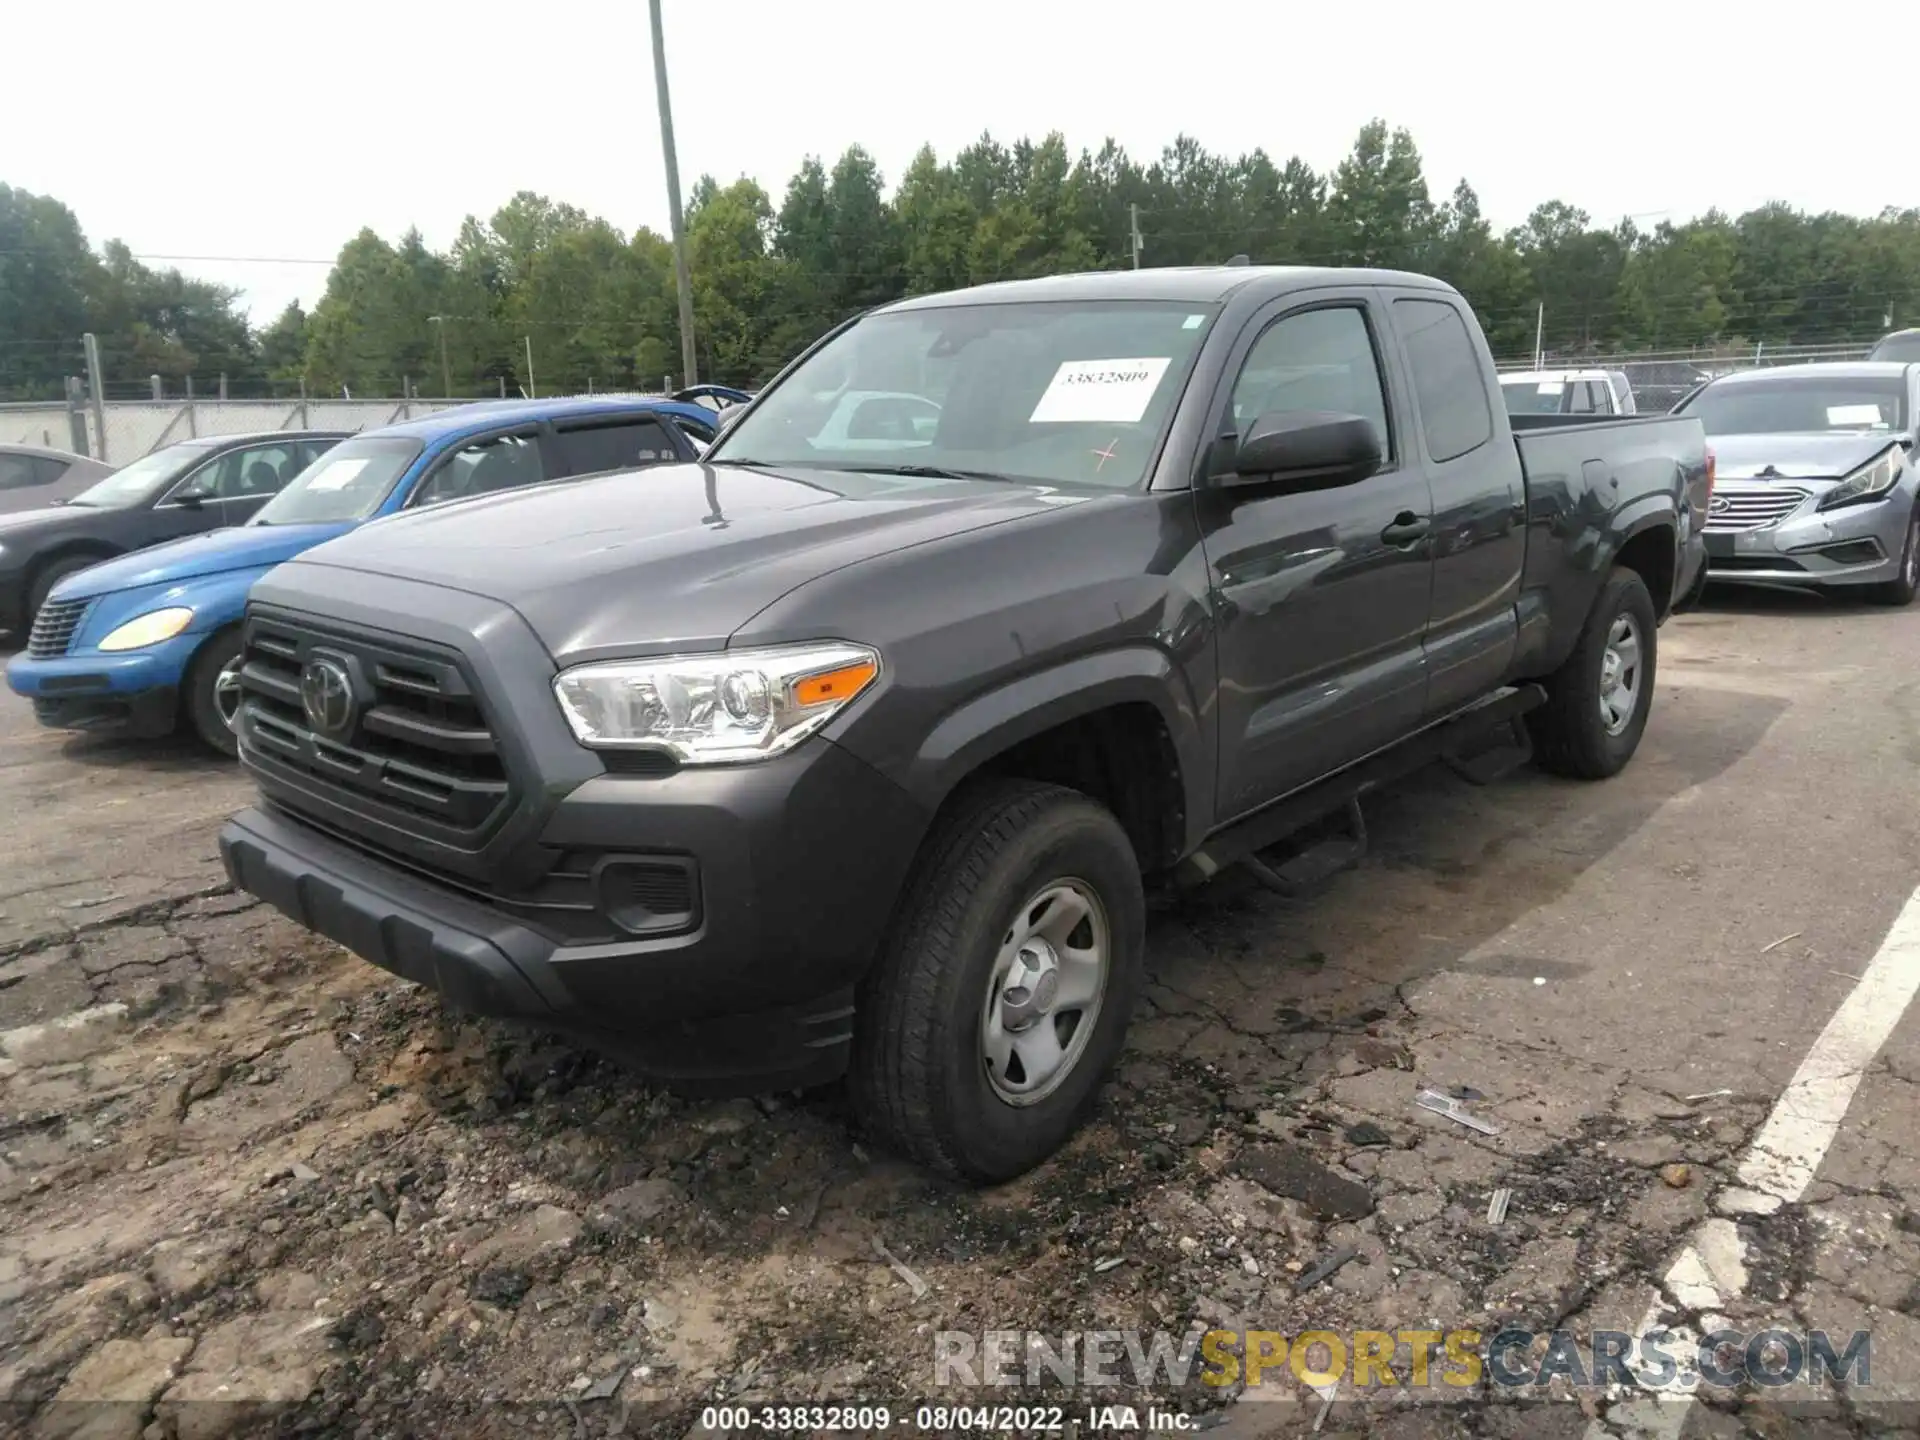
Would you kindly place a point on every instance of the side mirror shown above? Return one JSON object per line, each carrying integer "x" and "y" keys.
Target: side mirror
{"x": 190, "y": 499}
{"x": 1306, "y": 450}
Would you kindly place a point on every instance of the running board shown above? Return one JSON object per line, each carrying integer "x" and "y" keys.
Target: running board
{"x": 1317, "y": 863}
{"x": 1463, "y": 734}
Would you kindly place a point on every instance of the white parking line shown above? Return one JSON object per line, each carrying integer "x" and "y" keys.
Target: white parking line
{"x": 1780, "y": 1164}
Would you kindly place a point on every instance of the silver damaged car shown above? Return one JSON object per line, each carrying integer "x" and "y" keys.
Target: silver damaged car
{"x": 1815, "y": 481}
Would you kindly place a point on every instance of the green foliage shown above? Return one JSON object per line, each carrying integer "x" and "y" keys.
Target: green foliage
{"x": 600, "y": 308}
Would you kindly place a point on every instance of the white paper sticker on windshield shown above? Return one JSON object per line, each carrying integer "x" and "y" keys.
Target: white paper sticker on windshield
{"x": 1192, "y": 322}
{"x": 1552, "y": 387}
{"x": 1110, "y": 391}
{"x": 1853, "y": 415}
{"x": 337, "y": 476}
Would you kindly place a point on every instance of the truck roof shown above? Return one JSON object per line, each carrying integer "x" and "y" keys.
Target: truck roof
{"x": 1198, "y": 284}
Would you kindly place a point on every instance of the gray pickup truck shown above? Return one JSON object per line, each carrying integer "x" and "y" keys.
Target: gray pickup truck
{"x": 852, "y": 748}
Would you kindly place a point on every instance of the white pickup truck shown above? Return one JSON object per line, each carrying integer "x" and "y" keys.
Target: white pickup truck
{"x": 1567, "y": 392}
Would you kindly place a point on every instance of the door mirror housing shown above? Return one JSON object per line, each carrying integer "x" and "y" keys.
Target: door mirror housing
{"x": 191, "y": 499}
{"x": 1306, "y": 450}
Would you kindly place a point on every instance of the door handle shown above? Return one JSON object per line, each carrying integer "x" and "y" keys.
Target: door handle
{"x": 1407, "y": 529}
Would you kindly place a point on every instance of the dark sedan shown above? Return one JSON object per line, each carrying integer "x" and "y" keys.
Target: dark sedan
{"x": 182, "y": 490}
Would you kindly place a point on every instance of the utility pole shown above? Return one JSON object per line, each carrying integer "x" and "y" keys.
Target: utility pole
{"x": 1539, "y": 333}
{"x": 446, "y": 375}
{"x": 681, "y": 274}
{"x": 98, "y": 390}
{"x": 532, "y": 393}
{"x": 1133, "y": 216}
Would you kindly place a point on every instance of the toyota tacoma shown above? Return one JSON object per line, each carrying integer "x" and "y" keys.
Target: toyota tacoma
{"x": 853, "y": 747}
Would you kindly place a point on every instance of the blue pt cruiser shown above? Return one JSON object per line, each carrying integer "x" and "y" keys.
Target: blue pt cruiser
{"x": 139, "y": 644}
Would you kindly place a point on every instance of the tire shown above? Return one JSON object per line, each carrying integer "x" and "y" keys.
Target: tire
{"x": 1571, "y": 736}
{"x": 51, "y": 574}
{"x": 926, "y": 1018}
{"x": 1901, "y": 589}
{"x": 201, "y": 699}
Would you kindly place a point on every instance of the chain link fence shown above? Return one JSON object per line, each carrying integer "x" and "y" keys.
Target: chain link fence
{"x": 121, "y": 431}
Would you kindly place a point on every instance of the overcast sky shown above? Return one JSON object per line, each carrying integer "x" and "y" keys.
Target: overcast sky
{"x": 227, "y": 129}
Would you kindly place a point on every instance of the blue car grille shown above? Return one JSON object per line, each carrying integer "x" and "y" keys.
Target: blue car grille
{"x": 54, "y": 627}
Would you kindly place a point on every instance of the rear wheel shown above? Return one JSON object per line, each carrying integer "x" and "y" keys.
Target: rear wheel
{"x": 1901, "y": 589}
{"x": 1009, "y": 975}
{"x": 1598, "y": 701}
{"x": 212, "y": 698}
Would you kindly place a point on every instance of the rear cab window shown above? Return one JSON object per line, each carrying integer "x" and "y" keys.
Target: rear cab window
{"x": 1449, "y": 382}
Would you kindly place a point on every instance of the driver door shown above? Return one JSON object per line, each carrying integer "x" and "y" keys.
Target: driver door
{"x": 231, "y": 487}
{"x": 1322, "y": 596}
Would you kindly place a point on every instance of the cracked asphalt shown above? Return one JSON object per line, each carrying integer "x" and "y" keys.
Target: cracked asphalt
{"x": 249, "y": 1184}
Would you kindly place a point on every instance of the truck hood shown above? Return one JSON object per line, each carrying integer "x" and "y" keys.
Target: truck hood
{"x": 1796, "y": 457}
{"x": 244, "y": 547}
{"x": 677, "y": 557}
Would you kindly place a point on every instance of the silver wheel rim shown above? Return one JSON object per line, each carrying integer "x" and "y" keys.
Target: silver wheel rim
{"x": 1620, "y": 675}
{"x": 226, "y": 694}
{"x": 1044, "y": 992}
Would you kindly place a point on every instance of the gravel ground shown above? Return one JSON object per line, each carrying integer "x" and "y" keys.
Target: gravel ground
{"x": 250, "y": 1184}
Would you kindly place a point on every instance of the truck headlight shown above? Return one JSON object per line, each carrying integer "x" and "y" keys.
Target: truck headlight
{"x": 1870, "y": 482}
{"x": 714, "y": 709}
{"x": 148, "y": 629}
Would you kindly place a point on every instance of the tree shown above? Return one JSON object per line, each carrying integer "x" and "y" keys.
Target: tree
{"x": 46, "y": 275}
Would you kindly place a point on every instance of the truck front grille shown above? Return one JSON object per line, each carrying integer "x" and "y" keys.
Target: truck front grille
{"x": 54, "y": 627}
{"x": 410, "y": 744}
{"x": 1739, "y": 508}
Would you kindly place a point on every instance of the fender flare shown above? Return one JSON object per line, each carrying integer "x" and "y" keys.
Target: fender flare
{"x": 994, "y": 721}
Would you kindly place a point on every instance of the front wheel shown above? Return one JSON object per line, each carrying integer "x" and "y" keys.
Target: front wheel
{"x": 1009, "y": 976}
{"x": 212, "y": 698}
{"x": 1901, "y": 589}
{"x": 1598, "y": 701}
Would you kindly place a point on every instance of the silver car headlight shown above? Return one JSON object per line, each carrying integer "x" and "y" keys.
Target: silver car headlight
{"x": 716, "y": 709}
{"x": 1870, "y": 482}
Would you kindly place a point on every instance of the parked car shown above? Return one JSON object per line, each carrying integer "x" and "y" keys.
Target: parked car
{"x": 140, "y": 644}
{"x": 32, "y": 476}
{"x": 184, "y": 489}
{"x": 1901, "y": 345}
{"x": 1659, "y": 385}
{"x": 800, "y": 761}
{"x": 1567, "y": 392}
{"x": 713, "y": 397}
{"x": 1815, "y": 481}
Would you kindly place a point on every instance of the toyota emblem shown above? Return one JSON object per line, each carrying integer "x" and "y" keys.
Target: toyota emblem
{"x": 326, "y": 694}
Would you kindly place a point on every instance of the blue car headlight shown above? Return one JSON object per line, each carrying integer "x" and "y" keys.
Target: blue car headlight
{"x": 148, "y": 629}
{"x": 1871, "y": 481}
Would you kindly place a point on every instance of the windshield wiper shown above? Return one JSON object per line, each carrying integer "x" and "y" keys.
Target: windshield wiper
{"x": 926, "y": 472}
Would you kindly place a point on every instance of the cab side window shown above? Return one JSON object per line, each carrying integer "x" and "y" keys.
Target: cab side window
{"x": 1449, "y": 379}
{"x": 1314, "y": 360}
{"x": 481, "y": 467}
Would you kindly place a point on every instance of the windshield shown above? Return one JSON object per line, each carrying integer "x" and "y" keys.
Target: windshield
{"x": 144, "y": 478}
{"x": 1533, "y": 397}
{"x": 1903, "y": 347}
{"x": 1066, "y": 392}
{"x": 1800, "y": 404}
{"x": 345, "y": 484}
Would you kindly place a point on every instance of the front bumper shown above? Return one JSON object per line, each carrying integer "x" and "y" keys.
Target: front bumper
{"x": 795, "y": 869}
{"x": 134, "y": 694}
{"x": 1853, "y": 545}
